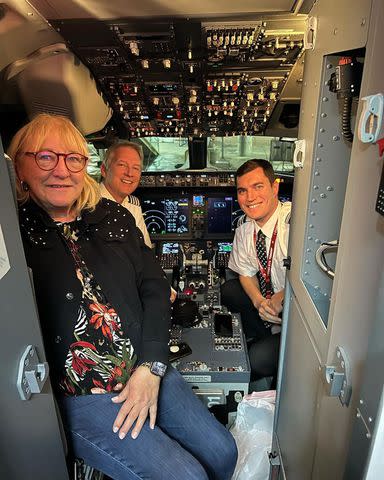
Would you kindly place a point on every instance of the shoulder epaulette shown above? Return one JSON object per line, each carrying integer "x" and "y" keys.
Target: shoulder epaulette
{"x": 133, "y": 200}
{"x": 288, "y": 218}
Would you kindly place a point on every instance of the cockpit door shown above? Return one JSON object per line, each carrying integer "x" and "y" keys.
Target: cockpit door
{"x": 336, "y": 247}
{"x": 31, "y": 445}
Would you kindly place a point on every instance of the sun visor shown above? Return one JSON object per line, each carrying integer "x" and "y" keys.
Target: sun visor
{"x": 59, "y": 83}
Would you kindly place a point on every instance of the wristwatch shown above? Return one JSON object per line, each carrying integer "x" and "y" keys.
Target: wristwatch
{"x": 157, "y": 368}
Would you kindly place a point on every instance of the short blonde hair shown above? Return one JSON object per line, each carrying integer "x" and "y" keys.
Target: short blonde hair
{"x": 34, "y": 133}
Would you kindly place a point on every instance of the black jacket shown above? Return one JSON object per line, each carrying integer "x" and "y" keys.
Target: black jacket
{"x": 114, "y": 252}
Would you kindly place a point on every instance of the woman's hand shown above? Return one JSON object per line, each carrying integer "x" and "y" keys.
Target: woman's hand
{"x": 140, "y": 398}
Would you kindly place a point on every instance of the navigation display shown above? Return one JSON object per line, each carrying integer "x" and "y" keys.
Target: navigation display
{"x": 219, "y": 214}
{"x": 166, "y": 216}
{"x": 223, "y": 213}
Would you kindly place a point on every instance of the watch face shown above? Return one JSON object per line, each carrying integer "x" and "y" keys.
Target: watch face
{"x": 158, "y": 368}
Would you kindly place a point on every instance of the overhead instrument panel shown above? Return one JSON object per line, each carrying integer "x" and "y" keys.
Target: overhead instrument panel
{"x": 186, "y": 78}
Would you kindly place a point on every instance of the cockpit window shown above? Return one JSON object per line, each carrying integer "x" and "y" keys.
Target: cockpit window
{"x": 228, "y": 153}
{"x": 168, "y": 154}
{"x": 161, "y": 154}
{"x": 164, "y": 154}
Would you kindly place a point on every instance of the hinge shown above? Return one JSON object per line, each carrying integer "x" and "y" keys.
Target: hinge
{"x": 32, "y": 373}
{"x": 337, "y": 377}
{"x": 274, "y": 461}
{"x": 310, "y": 33}
{"x": 299, "y": 154}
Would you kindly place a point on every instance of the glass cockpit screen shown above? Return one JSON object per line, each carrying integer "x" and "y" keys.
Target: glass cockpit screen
{"x": 166, "y": 216}
{"x": 223, "y": 213}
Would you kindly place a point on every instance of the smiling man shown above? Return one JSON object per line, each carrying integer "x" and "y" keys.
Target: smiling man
{"x": 121, "y": 171}
{"x": 259, "y": 248}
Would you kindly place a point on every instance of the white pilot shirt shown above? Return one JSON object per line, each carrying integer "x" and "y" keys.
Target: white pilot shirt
{"x": 243, "y": 259}
{"x": 132, "y": 204}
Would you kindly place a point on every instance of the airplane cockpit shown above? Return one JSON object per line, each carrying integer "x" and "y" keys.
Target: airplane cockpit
{"x": 201, "y": 88}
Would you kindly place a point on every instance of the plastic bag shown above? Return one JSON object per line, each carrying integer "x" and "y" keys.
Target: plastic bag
{"x": 252, "y": 431}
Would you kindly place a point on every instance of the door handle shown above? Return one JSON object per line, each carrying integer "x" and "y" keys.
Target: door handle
{"x": 32, "y": 373}
{"x": 320, "y": 256}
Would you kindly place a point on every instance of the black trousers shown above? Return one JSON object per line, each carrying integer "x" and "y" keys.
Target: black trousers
{"x": 263, "y": 347}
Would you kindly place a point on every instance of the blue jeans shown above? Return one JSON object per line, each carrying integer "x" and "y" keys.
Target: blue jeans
{"x": 188, "y": 443}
